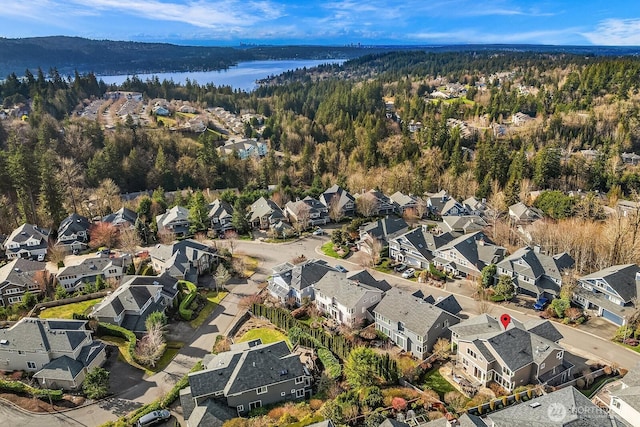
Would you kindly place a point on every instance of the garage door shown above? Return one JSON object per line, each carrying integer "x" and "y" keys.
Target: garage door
{"x": 612, "y": 317}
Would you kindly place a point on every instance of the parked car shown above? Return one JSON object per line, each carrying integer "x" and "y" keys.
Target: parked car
{"x": 154, "y": 417}
{"x": 341, "y": 269}
{"x": 318, "y": 232}
{"x": 40, "y": 257}
{"x": 400, "y": 268}
{"x": 409, "y": 273}
{"x": 540, "y": 304}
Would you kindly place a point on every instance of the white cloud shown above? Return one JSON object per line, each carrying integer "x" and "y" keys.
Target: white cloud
{"x": 616, "y": 32}
{"x": 477, "y": 37}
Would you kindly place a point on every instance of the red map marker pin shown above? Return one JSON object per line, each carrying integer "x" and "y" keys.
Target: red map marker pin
{"x": 505, "y": 319}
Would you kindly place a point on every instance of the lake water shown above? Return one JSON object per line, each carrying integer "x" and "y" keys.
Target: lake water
{"x": 242, "y": 76}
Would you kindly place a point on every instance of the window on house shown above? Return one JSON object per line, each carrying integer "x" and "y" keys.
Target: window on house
{"x": 299, "y": 380}
{"x": 256, "y": 404}
{"x": 300, "y": 393}
{"x": 471, "y": 353}
{"x": 240, "y": 408}
{"x": 559, "y": 355}
{"x": 445, "y": 324}
{"x": 616, "y": 403}
{"x": 542, "y": 366}
{"x": 31, "y": 365}
{"x": 261, "y": 390}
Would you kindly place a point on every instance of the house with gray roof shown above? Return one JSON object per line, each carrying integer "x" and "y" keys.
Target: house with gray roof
{"x": 511, "y": 357}
{"x": 442, "y": 204}
{"x": 249, "y": 376}
{"x": 27, "y": 241}
{"x": 307, "y": 212}
{"x": 18, "y": 277}
{"x": 534, "y": 273}
{"x": 345, "y": 300}
{"x": 186, "y": 259}
{"x": 73, "y": 233}
{"x": 123, "y": 217}
{"x": 380, "y": 203}
{"x": 462, "y": 224}
{"x": 174, "y": 221}
{"x": 365, "y": 278}
{"x": 468, "y": 254}
{"x": 74, "y": 277}
{"x": 411, "y": 322}
{"x": 610, "y": 292}
{"x": 566, "y": 407}
{"x": 383, "y": 230}
{"x": 338, "y": 200}
{"x": 404, "y": 202}
{"x": 59, "y": 352}
{"x": 264, "y": 213}
{"x": 522, "y": 214}
{"x": 220, "y": 216}
{"x": 475, "y": 206}
{"x": 417, "y": 247}
{"x": 465, "y": 420}
{"x": 135, "y": 299}
{"x": 625, "y": 397}
{"x": 291, "y": 282}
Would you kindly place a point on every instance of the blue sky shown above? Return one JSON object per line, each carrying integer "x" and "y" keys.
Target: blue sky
{"x": 229, "y": 22}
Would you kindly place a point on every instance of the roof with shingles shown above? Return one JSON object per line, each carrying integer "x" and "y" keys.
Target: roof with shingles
{"x": 533, "y": 264}
{"x": 177, "y": 214}
{"x": 89, "y": 267}
{"x": 523, "y": 212}
{"x": 120, "y": 217}
{"x": 27, "y": 231}
{"x": 246, "y": 370}
{"x": 303, "y": 275}
{"x": 580, "y": 412}
{"x": 477, "y": 249}
{"x": 621, "y": 278}
{"x": 342, "y": 196}
{"x": 426, "y": 242}
{"x": 265, "y": 207}
{"x": 417, "y": 315}
{"x": 402, "y": 200}
{"x": 364, "y": 277}
{"x": 31, "y": 334}
{"x": 220, "y": 209}
{"x": 386, "y": 227}
{"x": 72, "y": 225}
{"x": 345, "y": 291}
{"x": 20, "y": 272}
{"x": 62, "y": 368}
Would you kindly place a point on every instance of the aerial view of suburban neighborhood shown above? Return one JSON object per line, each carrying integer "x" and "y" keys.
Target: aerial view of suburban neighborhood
{"x": 319, "y": 224}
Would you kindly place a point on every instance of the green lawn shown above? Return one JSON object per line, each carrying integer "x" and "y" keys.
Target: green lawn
{"x": 327, "y": 249}
{"x": 213, "y": 299}
{"x": 588, "y": 392}
{"x": 66, "y": 311}
{"x": 267, "y": 335}
{"x": 173, "y": 347}
{"x": 436, "y": 382}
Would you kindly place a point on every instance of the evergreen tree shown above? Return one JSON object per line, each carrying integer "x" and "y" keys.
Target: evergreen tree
{"x": 198, "y": 213}
{"x": 239, "y": 218}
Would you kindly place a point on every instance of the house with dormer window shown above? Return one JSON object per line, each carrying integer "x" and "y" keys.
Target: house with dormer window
{"x": 442, "y": 204}
{"x": 295, "y": 282}
{"x": 339, "y": 200}
{"x": 135, "y": 299}
{"x": 73, "y": 233}
{"x": 75, "y": 276}
{"x": 307, "y": 212}
{"x": 468, "y": 254}
{"x": 417, "y": 247}
{"x": 174, "y": 221}
{"x": 187, "y": 259}
{"x": 220, "y": 216}
{"x": 380, "y": 204}
{"x": 534, "y": 273}
{"x": 27, "y": 241}
{"x": 18, "y": 277}
{"x": 610, "y": 292}
{"x": 519, "y": 355}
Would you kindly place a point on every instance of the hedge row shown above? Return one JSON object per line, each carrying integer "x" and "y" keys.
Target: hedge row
{"x": 332, "y": 366}
{"x": 119, "y": 331}
{"x": 20, "y": 387}
{"x": 185, "y": 312}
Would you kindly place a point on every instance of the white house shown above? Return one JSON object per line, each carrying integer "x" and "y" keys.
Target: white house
{"x": 27, "y": 241}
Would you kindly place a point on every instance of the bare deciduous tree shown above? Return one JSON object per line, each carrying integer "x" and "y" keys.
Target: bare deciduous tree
{"x": 373, "y": 252}
{"x": 129, "y": 240}
{"x": 232, "y": 240}
{"x": 367, "y": 205}
{"x": 221, "y": 277}
{"x": 103, "y": 234}
{"x": 335, "y": 211}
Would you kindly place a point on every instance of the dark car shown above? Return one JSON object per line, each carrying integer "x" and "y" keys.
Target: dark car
{"x": 341, "y": 269}
{"x": 541, "y": 303}
{"x": 153, "y": 418}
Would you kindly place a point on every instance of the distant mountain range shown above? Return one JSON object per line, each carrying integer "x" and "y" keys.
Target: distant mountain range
{"x": 105, "y": 57}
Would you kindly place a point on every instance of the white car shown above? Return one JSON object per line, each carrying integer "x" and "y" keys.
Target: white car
{"x": 409, "y": 273}
{"x": 318, "y": 232}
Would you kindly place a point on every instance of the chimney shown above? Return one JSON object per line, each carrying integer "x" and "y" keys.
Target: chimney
{"x": 536, "y": 249}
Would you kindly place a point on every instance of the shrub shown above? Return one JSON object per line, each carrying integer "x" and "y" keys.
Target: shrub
{"x": 580, "y": 383}
{"x": 118, "y": 331}
{"x": 399, "y": 404}
{"x": 185, "y": 312}
{"x": 330, "y": 362}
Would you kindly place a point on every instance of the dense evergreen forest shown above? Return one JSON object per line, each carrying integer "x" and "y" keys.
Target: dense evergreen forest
{"x": 334, "y": 124}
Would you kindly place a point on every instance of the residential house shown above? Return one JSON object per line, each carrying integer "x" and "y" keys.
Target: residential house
{"x": 630, "y": 158}
{"x": 59, "y": 352}
{"x": 382, "y": 230}
{"x": 220, "y": 216}
{"x": 463, "y": 224}
{"x": 376, "y": 204}
{"x": 295, "y": 282}
{"x": 474, "y": 206}
{"x": 365, "y": 278}
{"x": 174, "y": 221}
{"x": 307, "y": 212}
{"x": 591, "y": 155}
{"x": 74, "y": 277}
{"x": 345, "y": 300}
{"x": 468, "y": 254}
{"x": 625, "y": 398}
{"x": 566, "y": 407}
{"x": 339, "y": 201}
{"x": 263, "y": 213}
{"x": 245, "y": 148}
{"x": 628, "y": 207}
{"x": 519, "y": 119}
{"x": 187, "y": 259}
{"x": 135, "y": 299}
{"x": 404, "y": 202}
{"x": 413, "y": 323}
{"x": 27, "y": 241}
{"x": 519, "y": 355}
{"x": 465, "y": 420}
{"x": 521, "y": 213}
{"x": 610, "y": 292}
{"x": 417, "y": 247}
{"x": 73, "y": 233}
{"x": 18, "y": 277}
{"x": 249, "y": 376}
{"x": 159, "y": 110}
{"x": 122, "y": 218}
{"x": 534, "y": 273}
{"x": 441, "y": 204}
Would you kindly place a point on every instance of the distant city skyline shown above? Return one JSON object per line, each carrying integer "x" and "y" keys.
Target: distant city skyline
{"x": 231, "y": 22}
